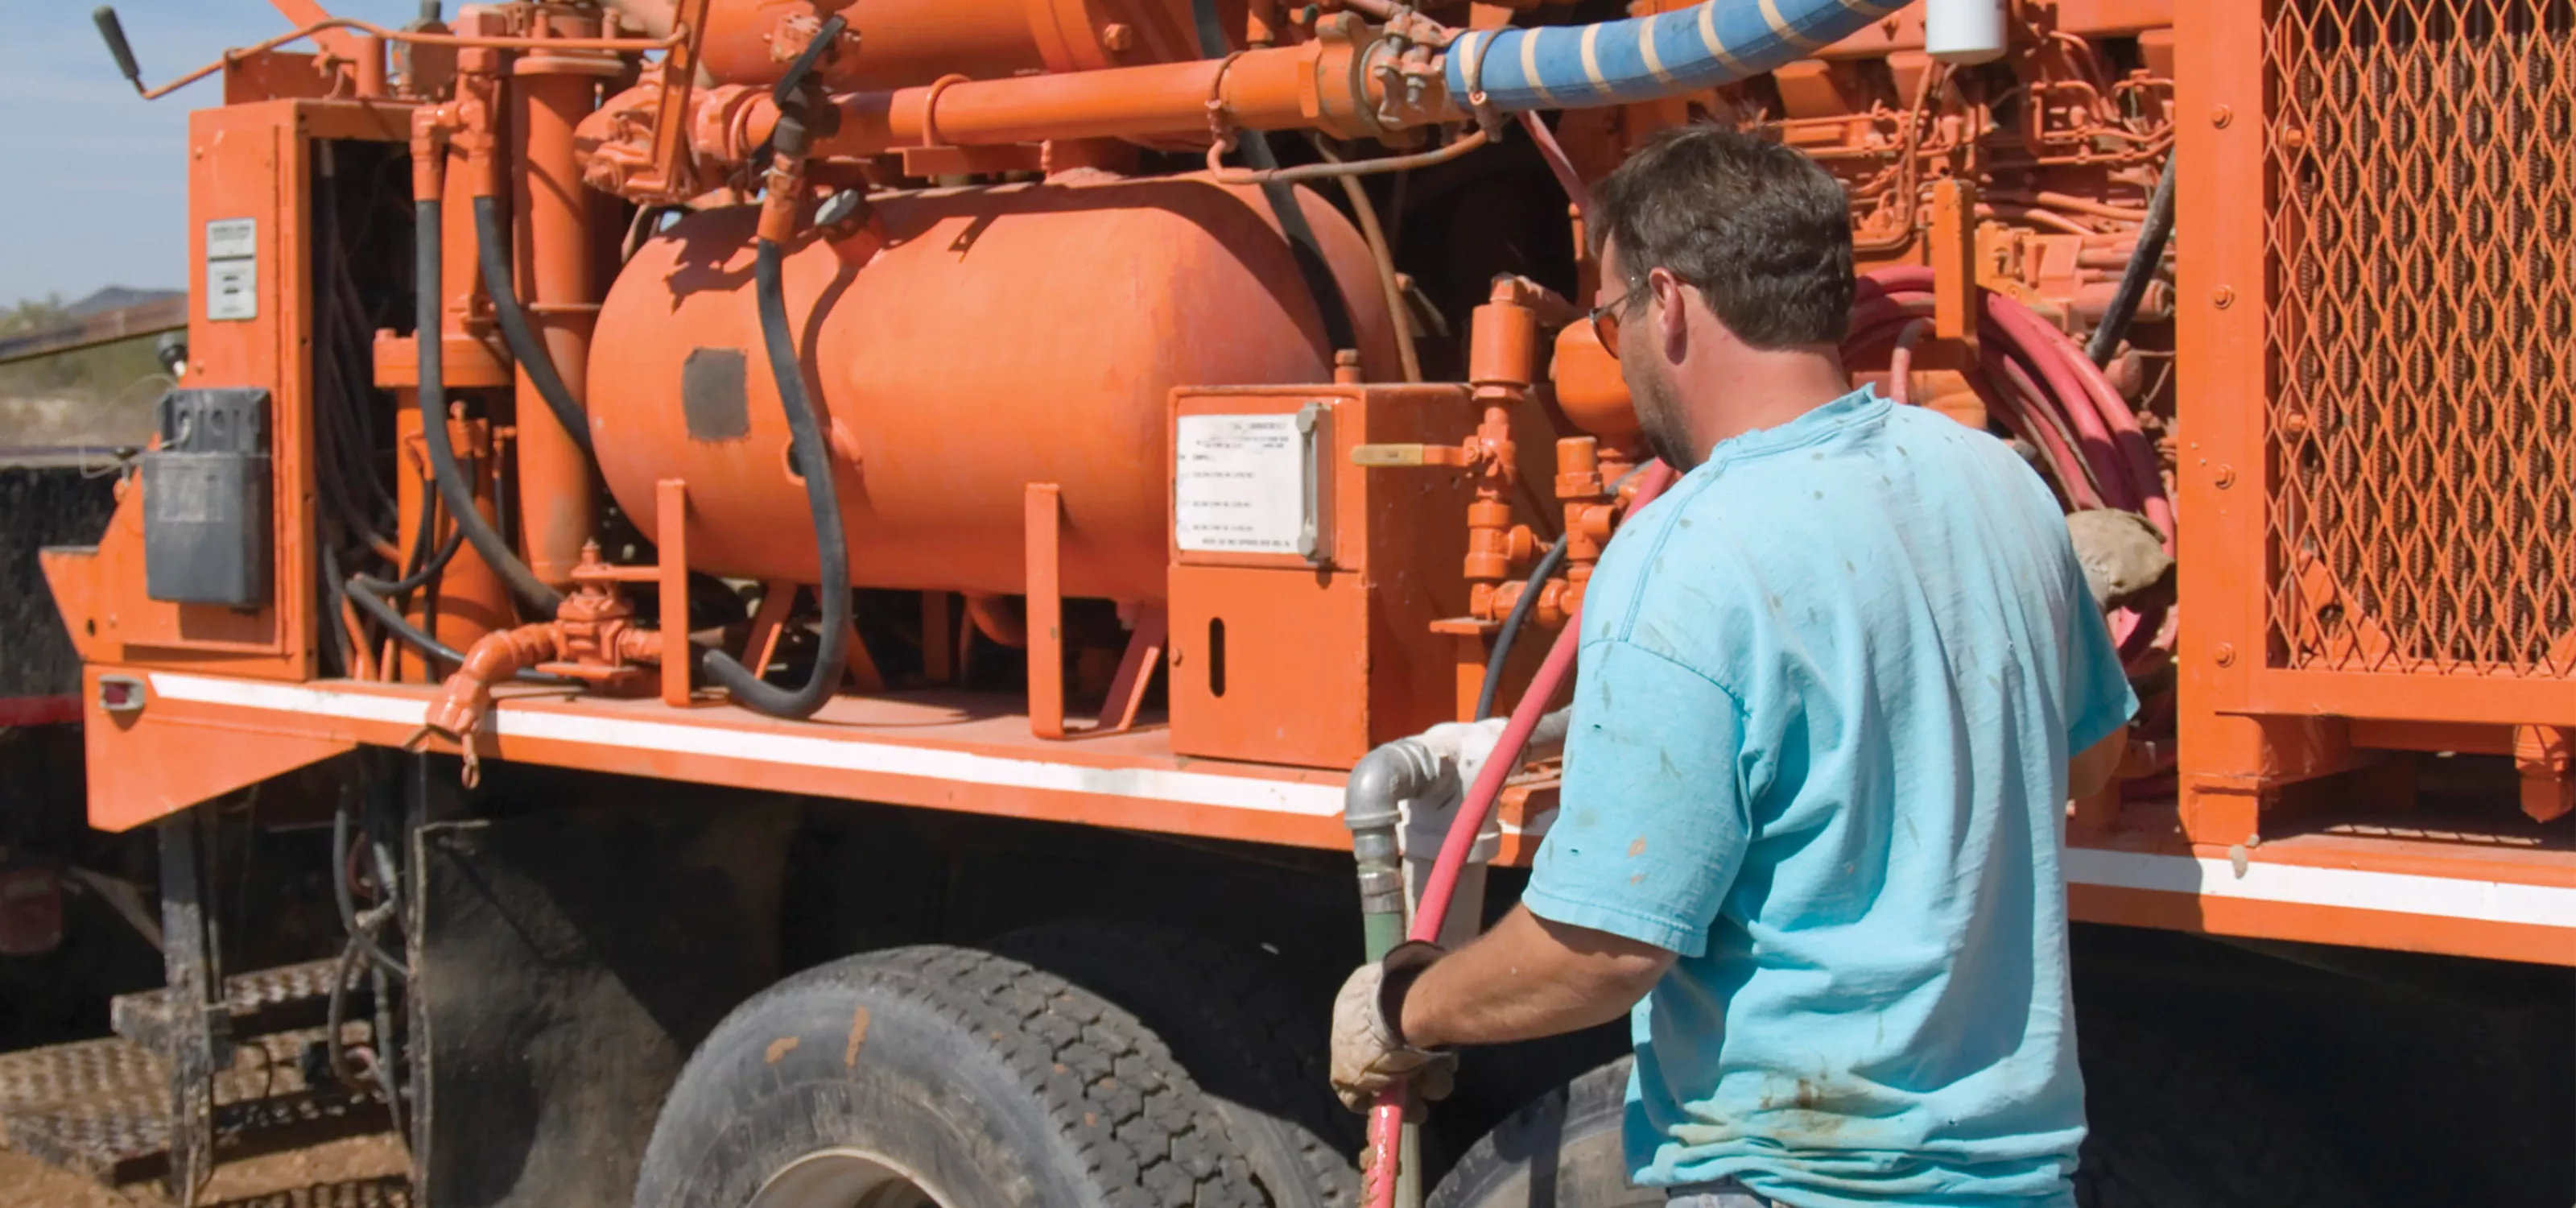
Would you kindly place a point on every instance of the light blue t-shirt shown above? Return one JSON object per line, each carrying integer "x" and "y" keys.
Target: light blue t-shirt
{"x": 1829, "y": 686}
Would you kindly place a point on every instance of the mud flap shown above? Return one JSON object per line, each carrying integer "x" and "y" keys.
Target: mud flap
{"x": 566, "y": 963}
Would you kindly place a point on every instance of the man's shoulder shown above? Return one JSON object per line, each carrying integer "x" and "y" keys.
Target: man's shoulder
{"x": 1678, "y": 581}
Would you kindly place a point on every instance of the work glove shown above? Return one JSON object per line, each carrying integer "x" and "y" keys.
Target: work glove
{"x": 1369, "y": 1052}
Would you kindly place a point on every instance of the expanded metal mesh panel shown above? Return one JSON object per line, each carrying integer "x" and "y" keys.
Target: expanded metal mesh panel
{"x": 2422, "y": 335}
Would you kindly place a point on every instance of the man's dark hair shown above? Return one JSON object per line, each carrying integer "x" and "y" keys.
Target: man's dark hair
{"x": 1762, "y": 231}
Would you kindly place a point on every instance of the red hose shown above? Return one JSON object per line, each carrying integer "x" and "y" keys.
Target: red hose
{"x": 1386, "y": 1116}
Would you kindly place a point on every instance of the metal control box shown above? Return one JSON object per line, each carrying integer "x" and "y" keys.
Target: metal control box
{"x": 206, "y": 500}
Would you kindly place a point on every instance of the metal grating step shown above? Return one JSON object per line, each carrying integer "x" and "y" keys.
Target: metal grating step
{"x": 390, "y": 1191}
{"x": 270, "y": 1000}
{"x": 102, "y": 1107}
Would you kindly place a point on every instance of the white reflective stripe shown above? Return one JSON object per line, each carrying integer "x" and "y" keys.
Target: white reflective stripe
{"x": 1529, "y": 66}
{"x": 1646, "y": 48}
{"x": 286, "y": 698}
{"x": 2340, "y": 888}
{"x": 1592, "y": 61}
{"x": 1788, "y": 33}
{"x": 2475, "y": 899}
{"x": 1708, "y": 38}
{"x": 791, "y": 750}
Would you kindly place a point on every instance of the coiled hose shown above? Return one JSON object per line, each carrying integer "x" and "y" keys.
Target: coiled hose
{"x": 492, "y": 248}
{"x": 2041, "y": 387}
{"x": 822, "y": 498}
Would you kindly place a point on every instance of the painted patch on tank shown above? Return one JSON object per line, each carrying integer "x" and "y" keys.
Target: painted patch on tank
{"x": 712, "y": 396}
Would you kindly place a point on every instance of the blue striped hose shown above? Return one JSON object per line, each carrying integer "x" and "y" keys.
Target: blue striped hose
{"x": 1643, "y": 58}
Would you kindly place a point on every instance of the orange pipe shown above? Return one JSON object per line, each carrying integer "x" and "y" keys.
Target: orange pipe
{"x": 902, "y": 42}
{"x": 1315, "y": 85}
{"x": 549, "y": 95}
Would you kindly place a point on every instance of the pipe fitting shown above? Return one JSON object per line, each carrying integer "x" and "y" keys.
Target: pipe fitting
{"x": 463, "y": 702}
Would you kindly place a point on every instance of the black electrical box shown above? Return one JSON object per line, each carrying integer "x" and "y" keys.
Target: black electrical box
{"x": 206, "y": 499}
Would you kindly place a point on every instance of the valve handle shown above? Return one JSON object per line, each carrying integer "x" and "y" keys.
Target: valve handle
{"x": 114, "y": 31}
{"x": 827, "y": 37}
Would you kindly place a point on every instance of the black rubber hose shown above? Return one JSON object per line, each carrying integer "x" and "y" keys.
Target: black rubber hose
{"x": 814, "y": 461}
{"x": 415, "y": 637}
{"x": 375, "y": 606}
{"x": 453, "y": 490}
{"x": 362, "y": 937}
{"x": 428, "y": 571}
{"x": 494, "y": 250}
{"x": 1519, "y": 616}
{"x": 2143, "y": 263}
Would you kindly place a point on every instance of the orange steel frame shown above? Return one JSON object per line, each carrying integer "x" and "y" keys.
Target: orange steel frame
{"x": 228, "y": 699}
{"x": 2254, "y": 727}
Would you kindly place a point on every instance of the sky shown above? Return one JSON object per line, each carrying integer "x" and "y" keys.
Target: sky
{"x": 95, "y": 179}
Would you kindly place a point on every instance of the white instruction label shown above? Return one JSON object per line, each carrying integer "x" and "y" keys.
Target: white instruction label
{"x": 1239, "y": 485}
{"x": 229, "y": 238}
{"x": 232, "y": 268}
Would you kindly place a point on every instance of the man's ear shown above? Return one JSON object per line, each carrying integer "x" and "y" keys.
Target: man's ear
{"x": 1672, "y": 318}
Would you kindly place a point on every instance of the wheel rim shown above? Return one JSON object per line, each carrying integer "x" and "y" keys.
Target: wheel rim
{"x": 846, "y": 1178}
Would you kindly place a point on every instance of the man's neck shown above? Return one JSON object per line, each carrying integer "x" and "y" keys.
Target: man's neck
{"x": 1765, "y": 389}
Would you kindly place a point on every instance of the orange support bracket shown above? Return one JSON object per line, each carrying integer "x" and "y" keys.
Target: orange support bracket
{"x": 671, "y": 504}
{"x": 1136, "y": 669}
{"x": 768, "y": 624}
{"x": 1045, "y": 519}
{"x": 857, "y": 663}
{"x": 1953, "y": 252}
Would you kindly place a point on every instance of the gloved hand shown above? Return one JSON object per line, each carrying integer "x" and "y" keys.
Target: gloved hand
{"x": 1369, "y": 1052}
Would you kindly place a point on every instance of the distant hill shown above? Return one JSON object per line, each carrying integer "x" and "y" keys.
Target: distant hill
{"x": 117, "y": 297}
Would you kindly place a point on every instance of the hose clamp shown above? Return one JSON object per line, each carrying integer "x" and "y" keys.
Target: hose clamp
{"x": 1481, "y": 106}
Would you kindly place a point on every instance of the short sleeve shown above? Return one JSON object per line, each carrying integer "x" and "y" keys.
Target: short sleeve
{"x": 2098, "y": 700}
{"x": 1651, "y": 824}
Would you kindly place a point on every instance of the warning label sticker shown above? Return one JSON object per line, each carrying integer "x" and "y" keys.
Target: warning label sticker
{"x": 1239, "y": 484}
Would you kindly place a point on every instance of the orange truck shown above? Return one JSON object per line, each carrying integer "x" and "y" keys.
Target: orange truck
{"x": 793, "y": 602}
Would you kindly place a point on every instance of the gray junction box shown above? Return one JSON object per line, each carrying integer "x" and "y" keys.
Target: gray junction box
{"x": 206, "y": 498}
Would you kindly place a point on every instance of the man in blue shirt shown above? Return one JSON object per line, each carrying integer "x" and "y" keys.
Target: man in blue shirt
{"x": 1836, "y": 687}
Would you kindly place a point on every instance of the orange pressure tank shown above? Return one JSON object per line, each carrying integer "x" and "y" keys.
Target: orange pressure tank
{"x": 1005, "y": 336}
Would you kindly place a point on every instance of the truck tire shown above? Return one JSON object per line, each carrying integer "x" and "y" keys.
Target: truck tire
{"x": 1560, "y": 1150}
{"x": 2168, "y": 1129}
{"x": 1233, "y": 1020}
{"x": 936, "y": 1076}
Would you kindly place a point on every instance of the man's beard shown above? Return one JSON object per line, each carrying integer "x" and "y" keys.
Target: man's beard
{"x": 1660, "y": 418}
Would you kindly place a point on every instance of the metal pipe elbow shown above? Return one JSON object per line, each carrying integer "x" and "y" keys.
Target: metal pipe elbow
{"x": 467, "y": 696}
{"x": 1407, "y": 767}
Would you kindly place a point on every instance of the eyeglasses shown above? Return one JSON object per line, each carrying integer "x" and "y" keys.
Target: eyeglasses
{"x": 1605, "y": 322}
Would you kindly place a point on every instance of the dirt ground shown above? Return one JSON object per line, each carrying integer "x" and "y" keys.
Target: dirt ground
{"x": 359, "y": 1172}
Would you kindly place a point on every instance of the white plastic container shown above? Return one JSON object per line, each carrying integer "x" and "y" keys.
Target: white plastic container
{"x": 1963, "y": 32}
